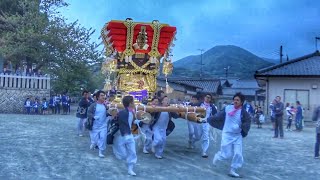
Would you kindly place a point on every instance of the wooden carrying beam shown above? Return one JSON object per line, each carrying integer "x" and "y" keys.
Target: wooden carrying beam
{"x": 193, "y": 113}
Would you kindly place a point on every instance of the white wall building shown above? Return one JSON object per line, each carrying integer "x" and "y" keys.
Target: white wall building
{"x": 294, "y": 80}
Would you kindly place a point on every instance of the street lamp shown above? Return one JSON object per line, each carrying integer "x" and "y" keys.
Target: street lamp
{"x": 227, "y": 69}
{"x": 201, "y": 50}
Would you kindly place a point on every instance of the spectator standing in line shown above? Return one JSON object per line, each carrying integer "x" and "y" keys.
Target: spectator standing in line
{"x": 36, "y": 106}
{"x": 299, "y": 117}
{"x": 28, "y": 105}
{"x": 44, "y": 106}
{"x": 290, "y": 114}
{"x": 278, "y": 110}
{"x": 57, "y": 102}
{"x": 258, "y": 116}
{"x": 272, "y": 114}
{"x": 52, "y": 105}
{"x": 82, "y": 112}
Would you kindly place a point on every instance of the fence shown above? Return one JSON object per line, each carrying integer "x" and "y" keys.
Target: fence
{"x": 24, "y": 82}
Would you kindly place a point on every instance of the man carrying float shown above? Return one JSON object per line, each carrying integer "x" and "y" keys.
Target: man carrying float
{"x": 134, "y": 52}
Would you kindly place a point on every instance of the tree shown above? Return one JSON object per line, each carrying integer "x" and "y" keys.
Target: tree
{"x": 33, "y": 32}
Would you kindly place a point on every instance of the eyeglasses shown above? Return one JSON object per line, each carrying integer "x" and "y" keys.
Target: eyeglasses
{"x": 208, "y": 97}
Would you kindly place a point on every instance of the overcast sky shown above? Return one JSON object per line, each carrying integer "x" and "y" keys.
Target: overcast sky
{"x": 259, "y": 26}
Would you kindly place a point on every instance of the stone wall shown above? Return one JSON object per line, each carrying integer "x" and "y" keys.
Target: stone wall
{"x": 14, "y": 90}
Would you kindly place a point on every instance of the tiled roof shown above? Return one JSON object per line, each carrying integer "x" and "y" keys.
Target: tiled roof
{"x": 175, "y": 86}
{"x": 308, "y": 66}
{"x": 231, "y": 80}
{"x": 207, "y": 85}
{"x": 246, "y": 83}
{"x": 233, "y": 91}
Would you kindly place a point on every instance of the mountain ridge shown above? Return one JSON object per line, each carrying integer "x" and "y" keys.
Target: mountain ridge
{"x": 216, "y": 60}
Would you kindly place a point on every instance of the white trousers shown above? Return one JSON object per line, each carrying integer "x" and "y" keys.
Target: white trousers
{"x": 159, "y": 141}
{"x": 231, "y": 146}
{"x": 81, "y": 127}
{"x": 99, "y": 137}
{"x": 124, "y": 148}
{"x": 148, "y": 136}
{"x": 199, "y": 132}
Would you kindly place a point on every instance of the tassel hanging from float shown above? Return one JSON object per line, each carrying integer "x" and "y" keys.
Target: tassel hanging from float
{"x": 169, "y": 89}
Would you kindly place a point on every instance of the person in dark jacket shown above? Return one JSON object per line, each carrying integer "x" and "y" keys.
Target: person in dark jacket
{"x": 82, "y": 112}
{"x": 97, "y": 118}
{"x": 299, "y": 117}
{"x": 162, "y": 127}
{"x": 278, "y": 113}
{"x": 124, "y": 146}
{"x": 235, "y": 124}
{"x": 201, "y": 131}
{"x": 65, "y": 105}
{"x": 316, "y": 117}
{"x": 258, "y": 113}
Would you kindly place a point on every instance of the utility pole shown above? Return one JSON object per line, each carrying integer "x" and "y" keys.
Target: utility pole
{"x": 227, "y": 69}
{"x": 281, "y": 54}
{"x": 201, "y": 51}
{"x": 316, "y": 42}
{"x": 287, "y": 57}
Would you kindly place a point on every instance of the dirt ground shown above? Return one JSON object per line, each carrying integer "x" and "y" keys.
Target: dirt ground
{"x": 47, "y": 147}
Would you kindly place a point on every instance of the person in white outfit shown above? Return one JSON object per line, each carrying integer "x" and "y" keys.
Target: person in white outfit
{"x": 235, "y": 124}
{"x": 124, "y": 146}
{"x": 160, "y": 128}
{"x": 145, "y": 128}
{"x": 97, "y": 116}
{"x": 201, "y": 131}
{"x": 192, "y": 126}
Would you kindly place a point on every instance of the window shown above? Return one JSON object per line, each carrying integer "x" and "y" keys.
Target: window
{"x": 293, "y": 95}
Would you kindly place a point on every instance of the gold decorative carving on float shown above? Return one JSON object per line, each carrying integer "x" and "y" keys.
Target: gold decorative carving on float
{"x": 136, "y": 82}
{"x": 135, "y": 64}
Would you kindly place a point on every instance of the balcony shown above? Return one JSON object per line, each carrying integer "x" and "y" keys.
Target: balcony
{"x": 24, "y": 82}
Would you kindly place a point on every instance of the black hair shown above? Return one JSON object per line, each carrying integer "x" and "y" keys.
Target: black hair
{"x": 208, "y": 94}
{"x": 154, "y": 98}
{"x": 159, "y": 93}
{"x": 85, "y": 91}
{"x": 127, "y": 100}
{"x": 298, "y": 102}
{"x": 195, "y": 96}
{"x": 241, "y": 96}
{"x": 98, "y": 94}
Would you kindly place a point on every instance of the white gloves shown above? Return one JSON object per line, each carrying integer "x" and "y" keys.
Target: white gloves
{"x": 137, "y": 121}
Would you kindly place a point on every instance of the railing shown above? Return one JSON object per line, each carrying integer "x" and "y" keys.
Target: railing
{"x": 24, "y": 82}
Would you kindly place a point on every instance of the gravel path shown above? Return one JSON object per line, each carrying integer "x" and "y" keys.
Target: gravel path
{"x": 47, "y": 147}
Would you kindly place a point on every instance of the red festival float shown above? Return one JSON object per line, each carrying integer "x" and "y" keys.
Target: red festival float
{"x": 134, "y": 53}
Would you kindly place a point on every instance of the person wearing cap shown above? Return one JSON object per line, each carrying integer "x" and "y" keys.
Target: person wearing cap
{"x": 98, "y": 121}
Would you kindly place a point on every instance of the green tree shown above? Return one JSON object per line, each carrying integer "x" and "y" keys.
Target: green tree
{"x": 33, "y": 32}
